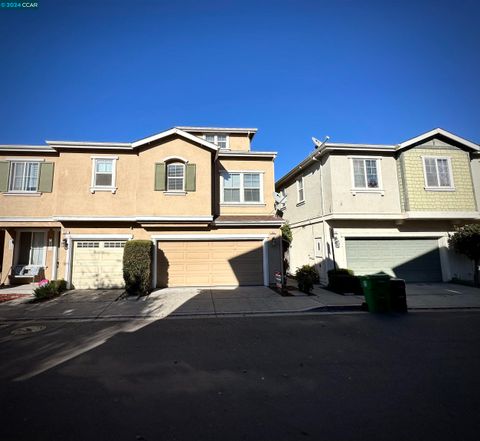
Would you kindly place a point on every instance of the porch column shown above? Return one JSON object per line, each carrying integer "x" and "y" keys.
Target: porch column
{"x": 7, "y": 256}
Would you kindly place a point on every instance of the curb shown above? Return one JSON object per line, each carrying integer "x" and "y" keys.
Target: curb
{"x": 315, "y": 310}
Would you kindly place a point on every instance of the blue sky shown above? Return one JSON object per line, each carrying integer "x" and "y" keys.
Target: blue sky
{"x": 377, "y": 72}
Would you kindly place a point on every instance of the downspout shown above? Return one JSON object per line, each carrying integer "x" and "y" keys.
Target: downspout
{"x": 322, "y": 196}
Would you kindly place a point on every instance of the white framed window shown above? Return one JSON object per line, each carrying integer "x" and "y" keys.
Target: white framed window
{"x": 219, "y": 139}
{"x": 88, "y": 244}
{"x": 300, "y": 190}
{"x": 241, "y": 187}
{"x": 24, "y": 176}
{"x": 104, "y": 173}
{"x": 437, "y": 173}
{"x": 317, "y": 242}
{"x": 114, "y": 244}
{"x": 366, "y": 173}
{"x": 175, "y": 176}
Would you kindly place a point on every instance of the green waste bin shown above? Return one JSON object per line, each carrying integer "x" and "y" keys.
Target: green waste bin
{"x": 376, "y": 289}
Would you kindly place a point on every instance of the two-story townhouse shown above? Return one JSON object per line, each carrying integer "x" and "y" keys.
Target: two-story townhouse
{"x": 383, "y": 208}
{"x": 200, "y": 194}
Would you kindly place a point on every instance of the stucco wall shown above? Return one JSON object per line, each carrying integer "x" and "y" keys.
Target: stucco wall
{"x": 420, "y": 199}
{"x": 257, "y": 164}
{"x": 18, "y": 205}
{"x": 345, "y": 200}
{"x": 239, "y": 141}
{"x": 135, "y": 177}
{"x": 302, "y": 248}
{"x": 296, "y": 211}
{"x": 159, "y": 203}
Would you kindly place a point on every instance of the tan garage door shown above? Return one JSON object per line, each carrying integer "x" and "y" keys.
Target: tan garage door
{"x": 203, "y": 263}
{"x": 97, "y": 264}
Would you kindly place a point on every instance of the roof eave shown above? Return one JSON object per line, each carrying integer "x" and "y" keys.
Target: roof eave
{"x": 27, "y": 148}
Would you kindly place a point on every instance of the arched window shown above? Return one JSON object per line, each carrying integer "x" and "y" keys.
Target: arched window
{"x": 175, "y": 176}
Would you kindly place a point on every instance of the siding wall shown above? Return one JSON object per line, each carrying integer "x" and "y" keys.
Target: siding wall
{"x": 419, "y": 199}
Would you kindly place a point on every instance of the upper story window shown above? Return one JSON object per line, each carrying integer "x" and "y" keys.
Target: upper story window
{"x": 175, "y": 176}
{"x": 242, "y": 188}
{"x": 438, "y": 173}
{"x": 24, "y": 176}
{"x": 366, "y": 173}
{"x": 218, "y": 139}
{"x": 300, "y": 190}
{"x": 104, "y": 173}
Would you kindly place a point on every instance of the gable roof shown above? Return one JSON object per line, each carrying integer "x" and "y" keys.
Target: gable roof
{"x": 438, "y": 132}
{"x": 175, "y": 131}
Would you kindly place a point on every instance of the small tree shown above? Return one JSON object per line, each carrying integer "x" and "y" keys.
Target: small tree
{"x": 137, "y": 266}
{"x": 466, "y": 240}
{"x": 286, "y": 233}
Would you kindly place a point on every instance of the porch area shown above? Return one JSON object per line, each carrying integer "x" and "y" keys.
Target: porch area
{"x": 28, "y": 255}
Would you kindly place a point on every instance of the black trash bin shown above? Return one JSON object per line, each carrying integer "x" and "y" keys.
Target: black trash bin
{"x": 398, "y": 295}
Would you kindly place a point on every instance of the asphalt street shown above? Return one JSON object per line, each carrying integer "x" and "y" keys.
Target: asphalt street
{"x": 324, "y": 377}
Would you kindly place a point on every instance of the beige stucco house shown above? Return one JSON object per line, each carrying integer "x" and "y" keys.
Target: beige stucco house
{"x": 200, "y": 194}
{"x": 383, "y": 208}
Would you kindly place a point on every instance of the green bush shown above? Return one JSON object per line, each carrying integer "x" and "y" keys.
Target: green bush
{"x": 342, "y": 280}
{"x": 306, "y": 276}
{"x": 137, "y": 266}
{"x": 338, "y": 271}
{"x": 51, "y": 289}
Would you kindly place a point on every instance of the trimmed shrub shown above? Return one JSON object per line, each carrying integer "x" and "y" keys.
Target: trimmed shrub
{"x": 343, "y": 280}
{"x": 51, "y": 289}
{"x": 137, "y": 267}
{"x": 306, "y": 276}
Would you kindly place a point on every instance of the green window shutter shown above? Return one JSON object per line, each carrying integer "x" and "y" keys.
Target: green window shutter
{"x": 4, "y": 169}
{"x": 160, "y": 176}
{"x": 45, "y": 181}
{"x": 190, "y": 177}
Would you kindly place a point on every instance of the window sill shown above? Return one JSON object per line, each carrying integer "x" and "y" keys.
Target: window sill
{"x": 368, "y": 190}
{"x": 439, "y": 188}
{"x": 300, "y": 203}
{"x": 174, "y": 193}
{"x": 113, "y": 190}
{"x": 23, "y": 193}
{"x": 243, "y": 204}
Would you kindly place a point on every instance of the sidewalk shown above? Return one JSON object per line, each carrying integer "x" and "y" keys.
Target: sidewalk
{"x": 207, "y": 302}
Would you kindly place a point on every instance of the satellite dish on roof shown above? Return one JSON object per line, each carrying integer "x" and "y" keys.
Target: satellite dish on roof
{"x": 319, "y": 144}
{"x": 279, "y": 197}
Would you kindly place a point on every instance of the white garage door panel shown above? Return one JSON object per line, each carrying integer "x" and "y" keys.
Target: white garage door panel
{"x": 412, "y": 259}
{"x": 210, "y": 263}
{"x": 97, "y": 264}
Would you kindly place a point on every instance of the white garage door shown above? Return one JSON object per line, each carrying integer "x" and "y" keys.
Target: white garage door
{"x": 414, "y": 260}
{"x": 97, "y": 264}
{"x": 210, "y": 263}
